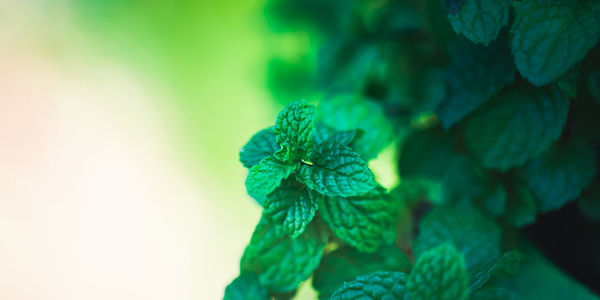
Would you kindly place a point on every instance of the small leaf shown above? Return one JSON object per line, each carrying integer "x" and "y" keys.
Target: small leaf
{"x": 481, "y": 20}
{"x": 550, "y": 36}
{"x": 291, "y": 206}
{"x": 560, "y": 174}
{"x": 439, "y": 274}
{"x": 266, "y": 176}
{"x": 377, "y": 286}
{"x": 281, "y": 262}
{"x": 505, "y": 266}
{"x": 516, "y": 126}
{"x": 294, "y": 128}
{"x": 337, "y": 171}
{"x": 346, "y": 112}
{"x": 476, "y": 73}
{"x": 246, "y": 287}
{"x": 471, "y": 233}
{"x": 346, "y": 263}
{"x": 261, "y": 145}
{"x": 521, "y": 209}
{"x": 363, "y": 221}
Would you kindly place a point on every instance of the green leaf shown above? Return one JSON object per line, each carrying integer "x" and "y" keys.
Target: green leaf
{"x": 346, "y": 263}
{"x": 471, "y": 233}
{"x": 246, "y": 287}
{"x": 495, "y": 203}
{"x": 503, "y": 267}
{"x": 325, "y": 133}
{"x": 346, "y": 112}
{"x": 266, "y": 177}
{"x": 550, "y": 36}
{"x": 377, "y": 286}
{"x": 476, "y": 73}
{"x": 291, "y": 206}
{"x": 260, "y": 146}
{"x": 337, "y": 171}
{"x": 294, "y": 127}
{"x": 281, "y": 262}
{"x": 481, "y": 20}
{"x": 589, "y": 203}
{"x": 364, "y": 222}
{"x": 515, "y": 126}
{"x": 560, "y": 174}
{"x": 520, "y": 209}
{"x": 439, "y": 274}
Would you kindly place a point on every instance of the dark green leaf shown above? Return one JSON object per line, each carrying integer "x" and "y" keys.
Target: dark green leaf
{"x": 294, "y": 128}
{"x": 246, "y": 287}
{"x": 550, "y": 36}
{"x": 481, "y": 20}
{"x": 471, "y": 233}
{"x": 364, "y": 222}
{"x": 261, "y": 145}
{"x": 520, "y": 209}
{"x": 439, "y": 274}
{"x": 505, "y": 266}
{"x": 560, "y": 174}
{"x": 346, "y": 263}
{"x": 476, "y": 73}
{"x": 495, "y": 294}
{"x": 281, "y": 262}
{"x": 589, "y": 203}
{"x": 291, "y": 206}
{"x": 515, "y": 126}
{"x": 376, "y": 286}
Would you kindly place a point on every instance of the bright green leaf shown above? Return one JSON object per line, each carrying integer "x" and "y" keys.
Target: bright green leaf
{"x": 515, "y": 126}
{"x": 266, "y": 176}
{"x": 294, "y": 128}
{"x": 560, "y": 175}
{"x": 476, "y": 73}
{"x": 364, "y": 222}
{"x": 246, "y": 287}
{"x": 346, "y": 263}
{"x": 471, "y": 233}
{"x": 376, "y": 286}
{"x": 336, "y": 170}
{"x": 481, "y": 20}
{"x": 439, "y": 274}
{"x": 291, "y": 206}
{"x": 281, "y": 262}
{"x": 550, "y": 36}
{"x": 260, "y": 145}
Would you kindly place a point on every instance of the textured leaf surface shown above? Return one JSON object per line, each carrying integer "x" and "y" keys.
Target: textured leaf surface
{"x": 346, "y": 112}
{"x": 505, "y": 266}
{"x": 346, "y": 263}
{"x": 476, "y": 73}
{"x": 260, "y": 145}
{"x": 376, "y": 286}
{"x": 266, "y": 176}
{"x": 364, "y": 222}
{"x": 560, "y": 175}
{"x": 246, "y": 287}
{"x": 291, "y": 206}
{"x": 337, "y": 171}
{"x": 516, "y": 126}
{"x": 281, "y": 262}
{"x": 439, "y": 274}
{"x": 481, "y": 20}
{"x": 471, "y": 233}
{"x": 550, "y": 36}
{"x": 294, "y": 127}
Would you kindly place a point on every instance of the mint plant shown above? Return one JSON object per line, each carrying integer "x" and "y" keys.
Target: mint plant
{"x": 493, "y": 106}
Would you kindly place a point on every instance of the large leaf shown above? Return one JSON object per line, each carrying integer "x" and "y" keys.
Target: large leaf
{"x": 515, "y": 126}
{"x": 364, "y": 222}
{"x": 550, "y": 36}
{"x": 281, "y": 262}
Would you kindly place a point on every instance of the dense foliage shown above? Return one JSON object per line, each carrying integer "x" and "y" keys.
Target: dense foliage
{"x": 494, "y": 106}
